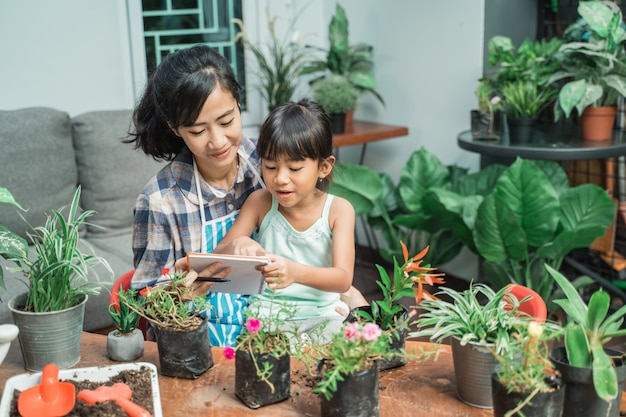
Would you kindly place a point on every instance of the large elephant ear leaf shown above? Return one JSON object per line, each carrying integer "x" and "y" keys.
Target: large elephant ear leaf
{"x": 422, "y": 171}
{"x": 497, "y": 234}
{"x": 531, "y": 198}
{"x": 586, "y": 212}
{"x": 360, "y": 185}
{"x": 555, "y": 174}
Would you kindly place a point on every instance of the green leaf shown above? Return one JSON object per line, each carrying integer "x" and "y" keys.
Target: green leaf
{"x": 604, "y": 375}
{"x": 576, "y": 309}
{"x": 577, "y": 346}
{"x": 497, "y": 234}
{"x": 422, "y": 171}
{"x": 597, "y": 309}
{"x": 528, "y": 193}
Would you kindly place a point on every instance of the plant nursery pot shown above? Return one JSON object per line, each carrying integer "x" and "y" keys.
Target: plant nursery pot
{"x": 521, "y": 130}
{"x": 473, "y": 366}
{"x": 356, "y": 396}
{"x": 339, "y": 122}
{"x": 543, "y": 404}
{"x": 398, "y": 341}
{"x": 184, "y": 354}
{"x": 597, "y": 123}
{"x": 580, "y": 395}
{"x": 125, "y": 347}
{"x": 48, "y": 337}
{"x": 254, "y": 392}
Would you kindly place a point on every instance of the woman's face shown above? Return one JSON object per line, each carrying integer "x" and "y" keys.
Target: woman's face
{"x": 216, "y": 135}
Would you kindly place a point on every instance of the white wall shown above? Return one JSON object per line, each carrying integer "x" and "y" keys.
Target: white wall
{"x": 74, "y": 55}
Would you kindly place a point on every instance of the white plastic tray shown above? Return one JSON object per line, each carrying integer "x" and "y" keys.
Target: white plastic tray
{"x": 95, "y": 373}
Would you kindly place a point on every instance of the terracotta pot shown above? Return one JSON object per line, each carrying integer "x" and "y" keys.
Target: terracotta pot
{"x": 597, "y": 122}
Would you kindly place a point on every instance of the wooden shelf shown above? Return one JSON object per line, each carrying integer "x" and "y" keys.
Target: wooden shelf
{"x": 360, "y": 133}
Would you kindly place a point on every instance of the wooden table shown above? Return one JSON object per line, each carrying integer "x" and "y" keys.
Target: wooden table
{"x": 361, "y": 133}
{"x": 416, "y": 389}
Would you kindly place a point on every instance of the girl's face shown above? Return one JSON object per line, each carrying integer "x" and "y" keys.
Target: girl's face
{"x": 216, "y": 135}
{"x": 291, "y": 182}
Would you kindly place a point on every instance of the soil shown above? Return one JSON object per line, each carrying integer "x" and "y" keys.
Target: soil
{"x": 138, "y": 381}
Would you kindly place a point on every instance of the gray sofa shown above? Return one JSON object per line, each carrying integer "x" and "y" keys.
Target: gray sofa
{"x": 45, "y": 155}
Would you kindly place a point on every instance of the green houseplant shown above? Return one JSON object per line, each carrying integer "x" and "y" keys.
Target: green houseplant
{"x": 178, "y": 322}
{"x": 351, "y": 61}
{"x": 279, "y": 62}
{"x": 539, "y": 217}
{"x": 337, "y": 96}
{"x": 525, "y": 380}
{"x": 471, "y": 319}
{"x": 408, "y": 281}
{"x": 590, "y": 326}
{"x": 126, "y": 341}
{"x": 593, "y": 66}
{"x": 57, "y": 284}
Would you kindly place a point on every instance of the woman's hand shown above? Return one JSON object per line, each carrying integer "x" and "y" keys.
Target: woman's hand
{"x": 201, "y": 288}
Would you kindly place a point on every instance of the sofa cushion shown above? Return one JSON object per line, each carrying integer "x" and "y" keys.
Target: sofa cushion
{"x": 110, "y": 172}
{"x": 38, "y": 162}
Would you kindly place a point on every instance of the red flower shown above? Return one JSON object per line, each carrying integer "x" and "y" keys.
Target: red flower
{"x": 145, "y": 292}
{"x": 253, "y": 325}
{"x": 229, "y": 353}
{"x": 419, "y": 274}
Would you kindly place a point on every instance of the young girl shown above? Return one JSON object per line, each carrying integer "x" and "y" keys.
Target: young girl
{"x": 307, "y": 233}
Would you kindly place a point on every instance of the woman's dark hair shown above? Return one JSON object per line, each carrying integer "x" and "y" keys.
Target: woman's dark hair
{"x": 174, "y": 96}
{"x": 297, "y": 131}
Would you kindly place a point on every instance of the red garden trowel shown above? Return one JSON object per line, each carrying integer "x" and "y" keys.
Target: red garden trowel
{"x": 50, "y": 398}
{"x": 120, "y": 393}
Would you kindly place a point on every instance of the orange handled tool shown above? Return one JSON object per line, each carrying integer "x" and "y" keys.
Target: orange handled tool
{"x": 120, "y": 393}
{"x": 50, "y": 398}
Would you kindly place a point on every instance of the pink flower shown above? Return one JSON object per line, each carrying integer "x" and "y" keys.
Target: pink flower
{"x": 253, "y": 325}
{"x": 351, "y": 331}
{"x": 371, "y": 332}
{"x": 229, "y": 353}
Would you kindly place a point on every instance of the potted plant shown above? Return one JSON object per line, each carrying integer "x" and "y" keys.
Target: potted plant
{"x": 262, "y": 357}
{"x": 337, "y": 96}
{"x": 593, "y": 66}
{"x": 279, "y": 62}
{"x": 539, "y": 217}
{"x": 355, "y": 62}
{"x": 348, "y": 376}
{"x": 180, "y": 328}
{"x": 57, "y": 285}
{"x": 124, "y": 343}
{"x": 487, "y": 120}
{"x": 476, "y": 323}
{"x": 594, "y": 375}
{"x": 408, "y": 281}
{"x": 521, "y": 77}
{"x": 525, "y": 381}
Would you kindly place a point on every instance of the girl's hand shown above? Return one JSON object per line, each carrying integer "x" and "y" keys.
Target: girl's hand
{"x": 246, "y": 246}
{"x": 277, "y": 272}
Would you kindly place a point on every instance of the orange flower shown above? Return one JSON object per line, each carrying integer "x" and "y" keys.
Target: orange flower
{"x": 419, "y": 274}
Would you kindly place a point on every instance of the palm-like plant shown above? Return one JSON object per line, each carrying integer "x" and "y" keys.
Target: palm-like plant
{"x": 279, "y": 62}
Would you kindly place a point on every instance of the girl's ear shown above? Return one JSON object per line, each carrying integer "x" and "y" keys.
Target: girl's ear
{"x": 326, "y": 166}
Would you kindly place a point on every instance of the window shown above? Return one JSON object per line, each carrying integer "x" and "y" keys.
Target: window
{"x": 169, "y": 25}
